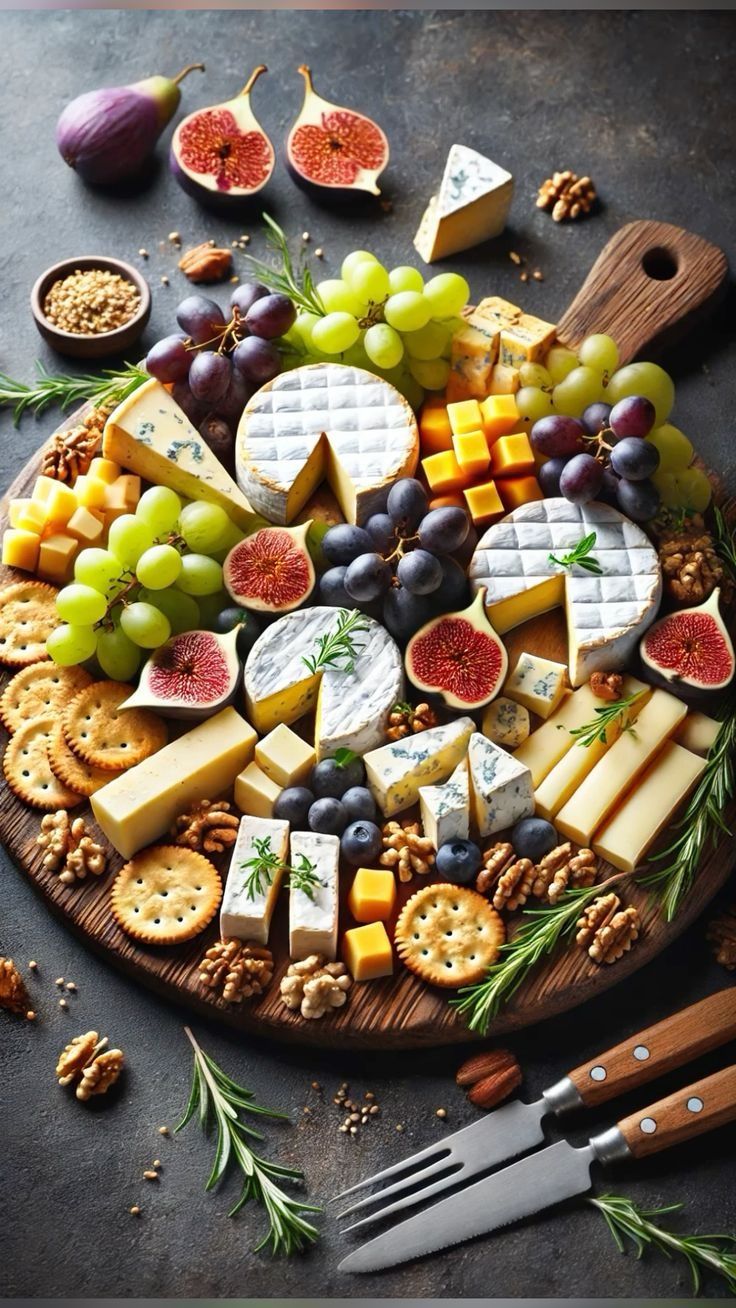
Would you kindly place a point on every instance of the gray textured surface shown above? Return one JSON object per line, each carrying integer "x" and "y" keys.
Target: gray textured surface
{"x": 646, "y": 103}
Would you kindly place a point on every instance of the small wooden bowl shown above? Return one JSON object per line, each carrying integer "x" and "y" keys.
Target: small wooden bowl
{"x": 78, "y": 345}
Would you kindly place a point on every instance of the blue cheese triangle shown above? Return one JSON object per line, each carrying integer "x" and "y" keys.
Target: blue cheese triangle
{"x": 445, "y": 809}
{"x": 472, "y": 205}
{"x": 502, "y": 788}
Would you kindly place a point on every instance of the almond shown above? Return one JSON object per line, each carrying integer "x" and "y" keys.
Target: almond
{"x": 481, "y": 1066}
{"x": 492, "y": 1090}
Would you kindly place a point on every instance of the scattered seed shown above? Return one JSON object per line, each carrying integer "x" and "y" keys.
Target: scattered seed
{"x": 71, "y": 987}
{"x": 163, "y": 1130}
{"x": 538, "y": 275}
{"x": 143, "y": 253}
{"x": 319, "y": 253}
{"x": 514, "y": 257}
{"x": 353, "y": 1130}
{"x": 33, "y": 965}
{"x": 524, "y": 276}
{"x": 157, "y": 1162}
{"x": 369, "y": 1094}
{"x": 150, "y": 1175}
{"x": 164, "y": 280}
{"x": 135, "y": 1210}
{"x": 305, "y": 236}
{"x": 245, "y": 238}
{"x": 344, "y": 1128}
{"x": 374, "y": 1109}
{"x": 64, "y": 1003}
{"x": 306, "y": 1110}
{"x": 399, "y": 1127}
{"x": 30, "y": 1015}
{"x": 175, "y": 238}
{"x": 59, "y": 981}
{"x": 316, "y": 1085}
{"x": 235, "y": 278}
{"x": 441, "y": 1112}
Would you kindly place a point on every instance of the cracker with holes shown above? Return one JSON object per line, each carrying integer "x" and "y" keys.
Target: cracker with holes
{"x": 28, "y": 769}
{"x": 75, "y": 772}
{"x": 38, "y": 690}
{"x": 166, "y": 895}
{"x": 448, "y": 935}
{"x": 27, "y": 618}
{"x": 106, "y": 735}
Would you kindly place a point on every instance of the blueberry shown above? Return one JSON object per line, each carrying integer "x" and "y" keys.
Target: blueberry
{"x": 533, "y": 838}
{"x": 458, "y": 861}
{"x": 358, "y": 802}
{"x": 331, "y": 777}
{"x": 327, "y": 817}
{"x": 361, "y": 843}
{"x": 293, "y": 805}
{"x": 249, "y": 628}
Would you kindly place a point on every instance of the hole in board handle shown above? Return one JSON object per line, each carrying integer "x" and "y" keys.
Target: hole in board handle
{"x": 660, "y": 264}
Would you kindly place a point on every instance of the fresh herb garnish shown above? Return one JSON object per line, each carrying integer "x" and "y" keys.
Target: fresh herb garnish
{"x": 304, "y": 877}
{"x": 214, "y": 1095}
{"x": 105, "y": 389}
{"x": 344, "y": 757}
{"x": 286, "y": 280}
{"x": 337, "y": 649}
{"x": 580, "y": 554}
{"x": 626, "y": 1220}
{"x": 605, "y": 717}
{"x": 265, "y": 865}
{"x": 725, "y": 541}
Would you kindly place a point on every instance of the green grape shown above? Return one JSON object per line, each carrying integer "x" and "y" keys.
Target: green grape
{"x": 407, "y": 311}
{"x": 69, "y": 645}
{"x": 352, "y": 261}
{"x": 145, "y": 625}
{"x": 369, "y": 281}
{"x": 560, "y": 362}
{"x": 181, "y": 610}
{"x": 80, "y": 604}
{"x": 694, "y": 489}
{"x": 533, "y": 374}
{"x": 204, "y": 527}
{"x": 99, "y": 569}
{"x": 158, "y": 567}
{"x": 128, "y": 537}
{"x": 304, "y": 324}
{"x": 675, "y": 450}
{"x": 117, "y": 655}
{"x": 600, "y": 353}
{"x": 159, "y": 507}
{"x": 199, "y": 575}
{"x": 407, "y": 386}
{"x": 336, "y": 332}
{"x": 405, "y": 278}
{"x": 383, "y": 345}
{"x": 580, "y": 388}
{"x": 666, "y": 484}
{"x": 356, "y": 356}
{"x": 233, "y": 536}
{"x": 447, "y": 293}
{"x": 432, "y": 374}
{"x": 429, "y": 342}
{"x": 646, "y": 379}
{"x": 337, "y": 297}
{"x": 533, "y": 404}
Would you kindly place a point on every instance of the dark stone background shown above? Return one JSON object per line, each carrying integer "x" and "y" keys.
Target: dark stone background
{"x": 646, "y": 103}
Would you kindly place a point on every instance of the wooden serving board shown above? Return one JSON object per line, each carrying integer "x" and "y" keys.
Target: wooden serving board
{"x": 399, "y": 1011}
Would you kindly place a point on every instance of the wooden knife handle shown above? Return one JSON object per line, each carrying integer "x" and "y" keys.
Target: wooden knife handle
{"x": 677, "y": 1040}
{"x": 681, "y": 1116}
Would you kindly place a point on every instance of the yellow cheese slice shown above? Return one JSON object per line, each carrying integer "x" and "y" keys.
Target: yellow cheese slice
{"x": 635, "y": 825}
{"x": 546, "y": 746}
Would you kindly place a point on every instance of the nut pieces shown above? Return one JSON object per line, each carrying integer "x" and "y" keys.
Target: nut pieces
{"x": 406, "y": 849}
{"x": 722, "y": 935}
{"x": 511, "y": 881}
{"x": 69, "y": 453}
{"x": 206, "y": 263}
{"x": 607, "y": 930}
{"x": 236, "y": 969}
{"x": 87, "y": 1061}
{"x": 608, "y": 686}
{"x": 69, "y": 848}
{"x": 13, "y": 993}
{"x": 561, "y": 870}
{"x": 490, "y": 1077}
{"x": 691, "y": 568}
{"x": 314, "y": 986}
{"x": 208, "y": 827}
{"x": 567, "y": 195}
{"x": 404, "y": 720}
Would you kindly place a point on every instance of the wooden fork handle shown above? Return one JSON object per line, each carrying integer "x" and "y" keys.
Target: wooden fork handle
{"x": 682, "y": 1116}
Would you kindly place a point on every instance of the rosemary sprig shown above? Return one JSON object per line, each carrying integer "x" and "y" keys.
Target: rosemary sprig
{"x": 606, "y": 716}
{"x": 725, "y": 540}
{"x": 105, "y": 389}
{"x": 581, "y": 555}
{"x": 540, "y": 932}
{"x": 337, "y": 649}
{"x": 626, "y": 1220}
{"x": 298, "y": 285}
{"x": 701, "y": 824}
{"x": 261, "y": 868}
{"x": 215, "y": 1096}
{"x": 304, "y": 877}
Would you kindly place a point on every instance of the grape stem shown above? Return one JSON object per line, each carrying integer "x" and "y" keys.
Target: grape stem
{"x": 599, "y": 442}
{"x": 121, "y": 598}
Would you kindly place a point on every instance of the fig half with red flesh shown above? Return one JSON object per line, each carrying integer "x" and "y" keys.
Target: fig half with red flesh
{"x": 191, "y": 676}
{"x": 221, "y": 155}
{"x": 271, "y": 571}
{"x": 333, "y": 151}
{"x": 691, "y": 647}
{"x": 459, "y": 657}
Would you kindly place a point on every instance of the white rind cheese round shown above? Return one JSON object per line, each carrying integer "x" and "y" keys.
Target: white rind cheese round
{"x": 324, "y": 420}
{"x": 607, "y": 614}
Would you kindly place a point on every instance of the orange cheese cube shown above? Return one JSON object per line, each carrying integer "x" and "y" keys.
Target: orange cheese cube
{"x": 443, "y": 472}
{"x": 512, "y": 455}
{"x": 453, "y": 500}
{"x": 43, "y": 488}
{"x": 20, "y": 549}
{"x": 56, "y": 557}
{"x": 471, "y": 452}
{"x": 90, "y": 492}
{"x": 434, "y": 430}
{"x": 366, "y": 952}
{"x": 60, "y": 503}
{"x": 483, "y": 502}
{"x": 464, "y": 415}
{"x": 105, "y": 470}
{"x": 499, "y": 416}
{"x": 123, "y": 493}
{"x": 515, "y": 491}
{"x": 372, "y": 894}
{"x": 503, "y": 380}
{"x": 28, "y": 515}
{"x": 86, "y": 527}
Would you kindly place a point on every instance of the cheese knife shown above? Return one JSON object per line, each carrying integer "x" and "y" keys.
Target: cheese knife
{"x": 561, "y": 1171}
{"x": 517, "y": 1127}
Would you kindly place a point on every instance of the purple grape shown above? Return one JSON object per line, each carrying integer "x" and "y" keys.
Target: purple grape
{"x": 595, "y": 417}
{"x": 219, "y": 437}
{"x": 193, "y": 408}
{"x": 343, "y": 543}
{"x": 210, "y": 376}
{"x": 557, "y": 435}
{"x": 581, "y": 479}
{"x": 367, "y": 577}
{"x": 259, "y": 361}
{"x": 332, "y": 588}
{"x": 609, "y": 487}
{"x": 169, "y": 360}
{"x": 452, "y": 592}
{"x": 404, "y": 613}
{"x": 549, "y": 475}
{"x": 406, "y": 505}
{"x": 200, "y": 318}
{"x": 634, "y": 458}
{"x": 270, "y": 316}
{"x": 464, "y": 553}
{"x": 245, "y": 296}
{"x": 235, "y": 399}
{"x": 442, "y": 531}
{"x": 632, "y": 416}
{"x": 638, "y": 499}
{"x": 420, "y": 572}
{"x": 381, "y": 531}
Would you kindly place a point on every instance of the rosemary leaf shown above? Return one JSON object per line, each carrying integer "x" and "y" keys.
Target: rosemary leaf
{"x": 105, "y": 389}
{"x": 284, "y": 278}
{"x": 303, "y": 876}
{"x": 581, "y": 555}
{"x": 626, "y": 1220}
{"x": 605, "y": 717}
{"x": 337, "y": 649}
{"x": 261, "y": 868}
{"x": 725, "y": 541}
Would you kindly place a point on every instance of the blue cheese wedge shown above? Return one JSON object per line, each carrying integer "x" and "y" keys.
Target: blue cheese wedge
{"x": 445, "y": 809}
{"x": 397, "y": 771}
{"x": 472, "y": 205}
{"x": 537, "y": 683}
{"x": 502, "y": 790}
{"x": 313, "y": 916}
{"x": 506, "y": 723}
{"x": 248, "y": 902}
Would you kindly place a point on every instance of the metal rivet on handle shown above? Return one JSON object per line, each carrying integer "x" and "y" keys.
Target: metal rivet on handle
{"x": 695, "y": 1105}
{"x": 641, "y": 1053}
{"x": 598, "y": 1073}
{"x": 648, "y": 1125}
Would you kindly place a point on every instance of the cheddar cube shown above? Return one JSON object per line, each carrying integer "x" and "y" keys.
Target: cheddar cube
{"x": 43, "y": 488}
{"x": 503, "y": 380}
{"x": 512, "y": 455}
{"x": 443, "y": 472}
{"x": 452, "y": 500}
{"x": 27, "y": 514}
{"x": 255, "y": 793}
{"x": 366, "y": 952}
{"x": 515, "y": 491}
{"x": 499, "y": 416}
{"x": 285, "y": 757}
{"x": 90, "y": 492}
{"x": 86, "y": 527}
{"x": 372, "y": 895}
{"x": 20, "y": 549}
{"x": 14, "y": 508}
{"x": 434, "y": 429}
{"x": 56, "y": 557}
{"x": 464, "y": 416}
{"x": 471, "y": 452}
{"x": 483, "y": 502}
{"x": 123, "y": 493}
{"x": 105, "y": 470}
{"x": 60, "y": 503}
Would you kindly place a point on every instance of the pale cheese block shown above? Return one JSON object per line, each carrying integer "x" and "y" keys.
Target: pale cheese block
{"x": 546, "y": 746}
{"x": 698, "y": 733}
{"x": 616, "y": 773}
{"x": 313, "y": 921}
{"x": 505, "y": 722}
{"x": 324, "y": 420}
{"x": 537, "y": 683}
{"x": 244, "y": 916}
{"x": 445, "y": 809}
{"x": 635, "y": 825}
{"x": 472, "y": 205}
{"x": 138, "y": 807}
{"x": 501, "y": 788}
{"x": 396, "y": 772}
{"x": 149, "y": 434}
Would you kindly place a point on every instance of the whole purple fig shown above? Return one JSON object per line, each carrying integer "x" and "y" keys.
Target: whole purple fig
{"x": 108, "y": 135}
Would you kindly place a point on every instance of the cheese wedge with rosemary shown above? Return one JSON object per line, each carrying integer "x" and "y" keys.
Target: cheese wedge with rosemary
{"x": 313, "y": 904}
{"x": 252, "y": 888}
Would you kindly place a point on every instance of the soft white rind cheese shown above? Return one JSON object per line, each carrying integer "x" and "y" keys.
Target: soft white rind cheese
{"x": 243, "y": 916}
{"x": 396, "y": 772}
{"x": 313, "y": 921}
{"x": 502, "y": 788}
{"x": 445, "y": 809}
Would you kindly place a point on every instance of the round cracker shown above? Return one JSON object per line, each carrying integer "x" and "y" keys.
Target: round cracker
{"x": 166, "y": 895}
{"x": 448, "y": 935}
{"x": 83, "y": 777}
{"x": 39, "y": 689}
{"x": 27, "y": 618}
{"x": 101, "y": 733}
{"x": 28, "y": 769}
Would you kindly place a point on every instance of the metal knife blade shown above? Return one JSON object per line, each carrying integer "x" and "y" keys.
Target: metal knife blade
{"x": 545, "y": 1178}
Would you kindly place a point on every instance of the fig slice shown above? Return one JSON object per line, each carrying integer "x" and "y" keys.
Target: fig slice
{"x": 272, "y": 570}
{"x": 459, "y": 657}
{"x": 691, "y": 647}
{"x": 221, "y": 155}
{"x": 191, "y": 676}
{"x": 334, "y": 151}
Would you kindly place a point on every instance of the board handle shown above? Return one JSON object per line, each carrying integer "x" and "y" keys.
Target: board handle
{"x": 649, "y": 285}
{"x": 677, "y": 1040}
{"x": 682, "y": 1116}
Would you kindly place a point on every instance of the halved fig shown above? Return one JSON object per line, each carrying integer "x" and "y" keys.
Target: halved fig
{"x": 459, "y": 657}
{"x": 691, "y": 647}
{"x": 334, "y": 151}
{"x": 221, "y": 155}
{"x": 271, "y": 571}
{"x": 190, "y": 676}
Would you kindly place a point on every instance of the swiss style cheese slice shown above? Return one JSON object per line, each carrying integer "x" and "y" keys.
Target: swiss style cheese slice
{"x": 471, "y": 206}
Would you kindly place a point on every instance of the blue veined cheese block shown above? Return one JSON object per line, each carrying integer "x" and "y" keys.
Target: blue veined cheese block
{"x": 396, "y": 771}
{"x": 445, "y": 809}
{"x": 502, "y": 790}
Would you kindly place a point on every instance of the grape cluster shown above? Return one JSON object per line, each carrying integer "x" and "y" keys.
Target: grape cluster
{"x": 399, "y": 567}
{"x": 568, "y": 382}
